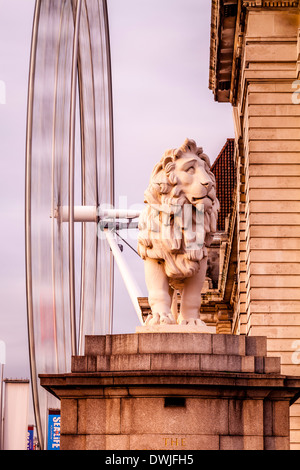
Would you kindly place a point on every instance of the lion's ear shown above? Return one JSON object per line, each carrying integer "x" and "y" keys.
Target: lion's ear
{"x": 167, "y": 161}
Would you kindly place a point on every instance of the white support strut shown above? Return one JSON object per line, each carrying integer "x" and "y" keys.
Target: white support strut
{"x": 93, "y": 213}
{"x": 81, "y": 213}
{"x": 132, "y": 288}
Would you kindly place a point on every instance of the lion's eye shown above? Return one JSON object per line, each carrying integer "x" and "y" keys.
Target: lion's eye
{"x": 190, "y": 170}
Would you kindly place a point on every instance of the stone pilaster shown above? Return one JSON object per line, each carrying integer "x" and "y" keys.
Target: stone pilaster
{"x": 269, "y": 120}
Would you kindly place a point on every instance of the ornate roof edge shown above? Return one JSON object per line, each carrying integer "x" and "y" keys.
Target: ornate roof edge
{"x": 213, "y": 42}
{"x": 222, "y": 40}
{"x": 271, "y": 3}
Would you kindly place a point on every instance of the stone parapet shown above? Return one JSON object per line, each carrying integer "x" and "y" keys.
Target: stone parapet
{"x": 184, "y": 343}
{"x": 178, "y": 391}
{"x": 178, "y": 351}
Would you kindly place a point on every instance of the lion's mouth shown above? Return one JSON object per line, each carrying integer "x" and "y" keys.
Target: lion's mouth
{"x": 196, "y": 200}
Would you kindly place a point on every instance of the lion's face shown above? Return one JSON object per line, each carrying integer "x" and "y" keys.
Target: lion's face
{"x": 194, "y": 181}
{"x": 182, "y": 177}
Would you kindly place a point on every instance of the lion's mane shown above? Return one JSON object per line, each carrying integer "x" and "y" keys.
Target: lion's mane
{"x": 164, "y": 198}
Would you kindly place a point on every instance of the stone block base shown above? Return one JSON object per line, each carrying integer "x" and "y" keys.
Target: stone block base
{"x": 174, "y": 391}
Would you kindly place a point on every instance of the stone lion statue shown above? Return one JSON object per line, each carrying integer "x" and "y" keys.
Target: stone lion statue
{"x": 175, "y": 229}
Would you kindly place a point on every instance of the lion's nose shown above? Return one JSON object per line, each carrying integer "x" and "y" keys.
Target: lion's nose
{"x": 204, "y": 179}
{"x": 208, "y": 185}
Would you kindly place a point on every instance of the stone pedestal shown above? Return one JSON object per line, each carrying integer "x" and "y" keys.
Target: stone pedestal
{"x": 174, "y": 391}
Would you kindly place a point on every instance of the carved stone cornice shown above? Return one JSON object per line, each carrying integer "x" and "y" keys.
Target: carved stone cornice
{"x": 270, "y": 3}
{"x": 227, "y": 26}
{"x": 228, "y": 19}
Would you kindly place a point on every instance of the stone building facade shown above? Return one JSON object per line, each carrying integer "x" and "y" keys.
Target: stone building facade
{"x": 255, "y": 66}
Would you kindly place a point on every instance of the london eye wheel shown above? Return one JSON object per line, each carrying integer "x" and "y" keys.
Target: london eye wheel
{"x": 69, "y": 175}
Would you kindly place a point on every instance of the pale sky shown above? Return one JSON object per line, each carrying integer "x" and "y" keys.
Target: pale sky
{"x": 160, "y": 64}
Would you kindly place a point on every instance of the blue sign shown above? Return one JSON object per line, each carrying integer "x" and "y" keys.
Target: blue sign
{"x": 30, "y": 438}
{"x": 53, "y": 431}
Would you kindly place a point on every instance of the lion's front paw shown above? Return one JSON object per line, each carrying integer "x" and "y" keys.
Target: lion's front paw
{"x": 192, "y": 322}
{"x": 160, "y": 319}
